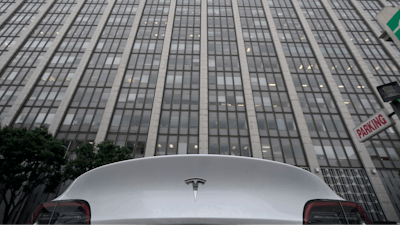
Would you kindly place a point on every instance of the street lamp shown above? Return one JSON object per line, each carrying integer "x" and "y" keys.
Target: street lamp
{"x": 391, "y": 93}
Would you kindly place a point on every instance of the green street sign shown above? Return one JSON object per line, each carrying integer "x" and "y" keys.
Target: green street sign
{"x": 394, "y": 24}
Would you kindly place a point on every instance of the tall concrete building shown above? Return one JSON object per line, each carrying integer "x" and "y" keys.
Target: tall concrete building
{"x": 282, "y": 80}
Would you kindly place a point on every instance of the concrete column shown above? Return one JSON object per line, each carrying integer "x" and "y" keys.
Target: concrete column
{"x": 294, "y": 99}
{"x": 155, "y": 113}
{"x": 62, "y": 109}
{"x": 5, "y": 59}
{"x": 23, "y": 96}
{"x": 10, "y": 12}
{"x": 348, "y": 121}
{"x": 248, "y": 93}
{"x": 203, "y": 123}
{"x": 112, "y": 100}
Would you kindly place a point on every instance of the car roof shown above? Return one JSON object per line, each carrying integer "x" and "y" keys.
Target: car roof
{"x": 235, "y": 189}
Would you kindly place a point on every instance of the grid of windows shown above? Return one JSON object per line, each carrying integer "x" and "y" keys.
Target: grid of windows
{"x": 47, "y": 95}
{"x": 179, "y": 123}
{"x": 330, "y": 139}
{"x": 393, "y": 3}
{"x": 379, "y": 62}
{"x": 130, "y": 122}
{"x": 227, "y": 117}
{"x": 354, "y": 185}
{"x": 4, "y": 5}
{"x": 277, "y": 127}
{"x": 12, "y": 29}
{"x": 384, "y": 148}
{"x": 391, "y": 181}
{"x": 18, "y": 71}
{"x": 61, "y": 69}
{"x": 372, "y": 8}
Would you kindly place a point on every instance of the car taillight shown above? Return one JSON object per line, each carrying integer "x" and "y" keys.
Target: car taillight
{"x": 323, "y": 212}
{"x": 71, "y": 212}
{"x": 354, "y": 213}
{"x": 334, "y": 212}
{"x": 43, "y": 213}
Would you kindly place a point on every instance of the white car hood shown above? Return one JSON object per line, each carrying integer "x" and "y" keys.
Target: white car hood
{"x": 237, "y": 190}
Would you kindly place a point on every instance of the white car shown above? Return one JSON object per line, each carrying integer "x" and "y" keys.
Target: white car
{"x": 198, "y": 189}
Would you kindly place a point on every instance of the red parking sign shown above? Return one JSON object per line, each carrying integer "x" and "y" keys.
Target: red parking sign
{"x": 373, "y": 125}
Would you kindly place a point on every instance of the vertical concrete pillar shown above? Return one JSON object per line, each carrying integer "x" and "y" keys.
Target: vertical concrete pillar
{"x": 158, "y": 96}
{"x": 63, "y": 108}
{"x": 112, "y": 100}
{"x": 23, "y": 96}
{"x": 248, "y": 93}
{"x": 203, "y": 123}
{"x": 294, "y": 99}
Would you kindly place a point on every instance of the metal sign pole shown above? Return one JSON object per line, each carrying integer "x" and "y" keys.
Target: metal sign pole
{"x": 396, "y": 107}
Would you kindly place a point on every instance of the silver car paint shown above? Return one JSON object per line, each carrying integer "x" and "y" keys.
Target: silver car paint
{"x": 237, "y": 190}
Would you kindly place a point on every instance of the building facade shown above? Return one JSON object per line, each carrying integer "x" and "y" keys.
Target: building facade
{"x": 283, "y": 80}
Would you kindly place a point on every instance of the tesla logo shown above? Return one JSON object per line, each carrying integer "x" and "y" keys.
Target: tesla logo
{"x": 195, "y": 182}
